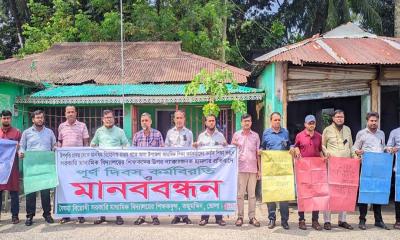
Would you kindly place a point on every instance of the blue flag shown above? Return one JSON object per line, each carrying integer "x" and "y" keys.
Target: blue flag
{"x": 376, "y": 175}
{"x": 7, "y": 155}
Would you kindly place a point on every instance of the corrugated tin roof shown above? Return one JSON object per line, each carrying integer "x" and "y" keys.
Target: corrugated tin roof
{"x": 347, "y": 44}
{"x": 145, "y": 62}
{"x": 133, "y": 89}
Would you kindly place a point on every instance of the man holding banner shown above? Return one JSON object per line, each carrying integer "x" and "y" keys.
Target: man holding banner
{"x": 12, "y": 185}
{"x": 337, "y": 142}
{"x": 109, "y": 136}
{"x": 179, "y": 136}
{"x": 72, "y": 133}
{"x": 370, "y": 139}
{"x": 211, "y": 137}
{"x": 276, "y": 138}
{"x": 37, "y": 138}
{"x": 147, "y": 137}
{"x": 393, "y": 146}
{"x": 308, "y": 143}
{"x": 247, "y": 142}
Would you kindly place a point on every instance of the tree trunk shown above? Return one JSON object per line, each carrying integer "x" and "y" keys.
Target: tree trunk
{"x": 397, "y": 18}
{"x": 17, "y": 20}
{"x": 224, "y": 27}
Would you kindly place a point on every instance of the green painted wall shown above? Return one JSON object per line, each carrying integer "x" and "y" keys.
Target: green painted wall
{"x": 128, "y": 122}
{"x": 272, "y": 103}
{"x": 8, "y": 93}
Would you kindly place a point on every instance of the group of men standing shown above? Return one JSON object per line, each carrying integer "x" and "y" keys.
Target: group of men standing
{"x": 336, "y": 140}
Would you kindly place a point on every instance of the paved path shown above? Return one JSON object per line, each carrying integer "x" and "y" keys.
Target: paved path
{"x": 43, "y": 231}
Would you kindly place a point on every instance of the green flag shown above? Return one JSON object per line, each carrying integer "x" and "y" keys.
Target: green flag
{"x": 39, "y": 168}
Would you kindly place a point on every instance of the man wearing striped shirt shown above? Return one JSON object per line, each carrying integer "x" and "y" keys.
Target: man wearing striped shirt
{"x": 72, "y": 133}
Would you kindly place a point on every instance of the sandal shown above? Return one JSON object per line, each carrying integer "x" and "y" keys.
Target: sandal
{"x": 239, "y": 222}
{"x": 203, "y": 222}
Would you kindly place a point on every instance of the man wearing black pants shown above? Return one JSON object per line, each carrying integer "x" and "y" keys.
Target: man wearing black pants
{"x": 370, "y": 139}
{"x": 31, "y": 205}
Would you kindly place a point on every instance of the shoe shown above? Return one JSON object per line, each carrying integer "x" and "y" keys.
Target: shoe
{"x": 81, "y": 220}
{"x": 220, "y": 222}
{"x": 119, "y": 220}
{"x": 203, "y": 222}
{"x": 49, "y": 219}
{"x": 285, "y": 225}
{"x": 316, "y": 226}
{"x": 187, "y": 220}
{"x": 254, "y": 222}
{"x": 302, "y": 225}
{"x": 239, "y": 222}
{"x": 396, "y": 225}
{"x": 29, "y": 221}
{"x": 381, "y": 225}
{"x": 100, "y": 220}
{"x": 327, "y": 226}
{"x": 15, "y": 220}
{"x": 176, "y": 220}
{"x": 65, "y": 220}
{"x": 156, "y": 221}
{"x": 345, "y": 225}
{"x": 361, "y": 225}
{"x": 139, "y": 221}
{"x": 271, "y": 224}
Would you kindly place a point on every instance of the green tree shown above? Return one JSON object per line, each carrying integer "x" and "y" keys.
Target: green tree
{"x": 214, "y": 85}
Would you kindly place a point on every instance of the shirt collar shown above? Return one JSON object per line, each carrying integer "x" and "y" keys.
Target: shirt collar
{"x": 35, "y": 130}
{"x": 215, "y": 132}
{"x": 67, "y": 123}
{"x": 270, "y": 130}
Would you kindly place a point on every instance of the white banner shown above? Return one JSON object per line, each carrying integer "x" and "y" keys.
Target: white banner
{"x": 140, "y": 181}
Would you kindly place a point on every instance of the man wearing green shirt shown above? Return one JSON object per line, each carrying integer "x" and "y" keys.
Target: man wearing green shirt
{"x": 109, "y": 136}
{"x": 337, "y": 142}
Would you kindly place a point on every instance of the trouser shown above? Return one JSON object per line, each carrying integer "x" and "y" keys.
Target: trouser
{"x": 363, "y": 208}
{"x": 327, "y": 216}
{"x": 182, "y": 216}
{"x": 14, "y": 202}
{"x": 247, "y": 182}
{"x": 283, "y": 208}
{"x": 314, "y": 216}
{"x": 397, "y": 210}
{"x": 206, "y": 217}
{"x": 31, "y": 203}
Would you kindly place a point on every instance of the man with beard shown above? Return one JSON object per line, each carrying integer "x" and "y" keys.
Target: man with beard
{"x": 276, "y": 138}
{"x": 308, "y": 144}
{"x": 370, "y": 139}
{"x": 37, "y": 138}
{"x": 337, "y": 142}
{"x": 147, "y": 137}
{"x": 211, "y": 137}
{"x": 72, "y": 133}
{"x": 11, "y": 133}
{"x": 179, "y": 136}
{"x": 109, "y": 136}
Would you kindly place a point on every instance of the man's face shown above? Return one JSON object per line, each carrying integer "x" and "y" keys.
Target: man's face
{"x": 310, "y": 126}
{"x": 338, "y": 119}
{"x": 246, "y": 123}
{"x": 179, "y": 120}
{"x": 108, "y": 120}
{"x": 145, "y": 121}
{"x": 6, "y": 121}
{"x": 276, "y": 121}
{"x": 70, "y": 114}
{"x": 372, "y": 123}
{"x": 38, "y": 120}
{"x": 210, "y": 123}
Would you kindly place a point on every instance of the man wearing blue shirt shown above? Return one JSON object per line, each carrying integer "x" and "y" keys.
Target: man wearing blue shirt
{"x": 276, "y": 138}
{"x": 37, "y": 138}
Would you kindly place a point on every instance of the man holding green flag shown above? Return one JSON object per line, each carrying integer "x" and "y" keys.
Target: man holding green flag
{"x": 37, "y": 138}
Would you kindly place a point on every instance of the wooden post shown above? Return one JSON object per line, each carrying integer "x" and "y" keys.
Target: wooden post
{"x": 284, "y": 93}
{"x": 375, "y": 96}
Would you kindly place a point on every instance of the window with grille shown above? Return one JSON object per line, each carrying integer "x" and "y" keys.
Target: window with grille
{"x": 92, "y": 116}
